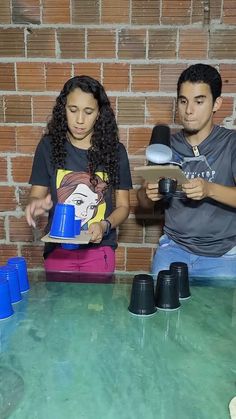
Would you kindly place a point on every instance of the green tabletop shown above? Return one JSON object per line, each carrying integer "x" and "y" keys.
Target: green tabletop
{"x": 73, "y": 350}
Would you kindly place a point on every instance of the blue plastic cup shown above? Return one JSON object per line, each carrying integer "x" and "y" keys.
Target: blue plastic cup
{"x": 72, "y": 246}
{"x": 10, "y": 273}
{"x": 21, "y": 266}
{"x": 77, "y": 226}
{"x": 6, "y": 309}
{"x": 63, "y": 222}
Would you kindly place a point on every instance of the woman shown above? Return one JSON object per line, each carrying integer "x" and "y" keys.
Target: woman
{"x": 82, "y": 140}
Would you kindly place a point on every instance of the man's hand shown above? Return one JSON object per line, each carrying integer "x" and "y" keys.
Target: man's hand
{"x": 152, "y": 191}
{"x": 197, "y": 189}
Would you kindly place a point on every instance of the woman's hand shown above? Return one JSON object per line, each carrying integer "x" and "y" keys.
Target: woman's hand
{"x": 36, "y": 207}
{"x": 97, "y": 231}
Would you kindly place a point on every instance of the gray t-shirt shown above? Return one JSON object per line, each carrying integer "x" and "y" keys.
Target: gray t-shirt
{"x": 204, "y": 227}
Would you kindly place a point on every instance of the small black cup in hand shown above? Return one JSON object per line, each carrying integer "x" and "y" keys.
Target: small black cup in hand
{"x": 167, "y": 186}
{"x": 181, "y": 271}
{"x": 142, "y": 301}
{"x": 167, "y": 291}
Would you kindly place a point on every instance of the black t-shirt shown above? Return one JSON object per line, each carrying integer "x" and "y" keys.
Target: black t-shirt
{"x": 72, "y": 185}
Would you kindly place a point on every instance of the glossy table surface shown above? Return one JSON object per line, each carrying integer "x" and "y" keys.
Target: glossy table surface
{"x": 73, "y": 350}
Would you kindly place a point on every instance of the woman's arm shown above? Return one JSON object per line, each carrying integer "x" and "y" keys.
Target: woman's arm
{"x": 38, "y": 204}
{"x": 117, "y": 217}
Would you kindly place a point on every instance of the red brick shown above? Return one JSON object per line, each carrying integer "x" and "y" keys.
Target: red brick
{"x": 177, "y": 13}
{"x": 132, "y": 44}
{"x": 115, "y": 12}
{"x": 153, "y": 230}
{"x": 198, "y": 12}
{"x": 3, "y": 170}
{"x": 145, "y": 77}
{"x": 2, "y": 107}
{"x": 33, "y": 255}
{"x": 193, "y": 44}
{"x": 136, "y": 162}
{"x": 145, "y": 12}
{"x": 30, "y": 76}
{"x": 101, "y": 43}
{"x": 41, "y": 43}
{"x": 228, "y": 74}
{"x": 169, "y": 74}
{"x": 5, "y": 12}
{"x": 25, "y": 11}
{"x": 71, "y": 43}
{"x": 2, "y": 229}
{"x": 162, "y": 43}
{"x": 18, "y": 108}
{"x": 42, "y": 108}
{"x": 120, "y": 258}
{"x": 8, "y": 139}
{"x": 85, "y": 11}
{"x": 19, "y": 230}
{"x": 27, "y": 138}
{"x": 139, "y": 259}
{"x": 116, "y": 76}
{"x": 130, "y": 232}
{"x": 7, "y": 78}
{"x": 138, "y": 140}
{"x": 123, "y": 135}
{"x": 88, "y": 69}
{"x": 229, "y": 12}
{"x": 21, "y": 168}
{"x": 131, "y": 110}
{"x": 222, "y": 44}
{"x": 160, "y": 110}
{"x": 56, "y": 12}
{"x": 6, "y": 252}
{"x": 8, "y": 198}
{"x": 57, "y": 75}
{"x": 12, "y": 42}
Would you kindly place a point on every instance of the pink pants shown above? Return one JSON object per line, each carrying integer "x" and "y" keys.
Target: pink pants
{"x": 100, "y": 259}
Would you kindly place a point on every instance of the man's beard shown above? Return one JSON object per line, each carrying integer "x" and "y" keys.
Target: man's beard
{"x": 190, "y": 132}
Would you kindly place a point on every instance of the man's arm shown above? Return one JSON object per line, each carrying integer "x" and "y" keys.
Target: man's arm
{"x": 199, "y": 188}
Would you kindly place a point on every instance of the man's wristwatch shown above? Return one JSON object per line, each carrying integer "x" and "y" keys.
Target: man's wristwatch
{"x": 108, "y": 227}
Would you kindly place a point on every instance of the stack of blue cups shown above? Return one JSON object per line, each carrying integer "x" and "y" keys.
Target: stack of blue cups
{"x": 20, "y": 264}
{"x": 13, "y": 282}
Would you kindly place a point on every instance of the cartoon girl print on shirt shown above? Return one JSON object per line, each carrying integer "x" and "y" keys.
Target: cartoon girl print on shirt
{"x": 76, "y": 189}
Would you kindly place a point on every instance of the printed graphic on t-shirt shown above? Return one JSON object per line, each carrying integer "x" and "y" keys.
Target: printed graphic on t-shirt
{"x": 197, "y": 166}
{"x": 76, "y": 189}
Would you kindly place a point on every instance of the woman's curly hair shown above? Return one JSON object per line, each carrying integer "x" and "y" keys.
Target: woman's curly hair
{"x": 104, "y": 141}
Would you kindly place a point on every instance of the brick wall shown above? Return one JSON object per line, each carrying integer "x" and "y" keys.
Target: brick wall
{"x": 137, "y": 49}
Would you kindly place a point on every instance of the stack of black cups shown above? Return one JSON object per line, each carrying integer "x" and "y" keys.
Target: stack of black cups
{"x": 172, "y": 286}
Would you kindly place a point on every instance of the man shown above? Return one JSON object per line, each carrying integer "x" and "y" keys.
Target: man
{"x": 200, "y": 223}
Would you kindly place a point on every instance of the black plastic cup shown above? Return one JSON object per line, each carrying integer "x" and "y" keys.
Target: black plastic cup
{"x": 167, "y": 186}
{"x": 142, "y": 301}
{"x": 167, "y": 291}
{"x": 181, "y": 271}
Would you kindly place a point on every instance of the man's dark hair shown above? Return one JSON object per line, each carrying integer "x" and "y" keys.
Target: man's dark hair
{"x": 202, "y": 73}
